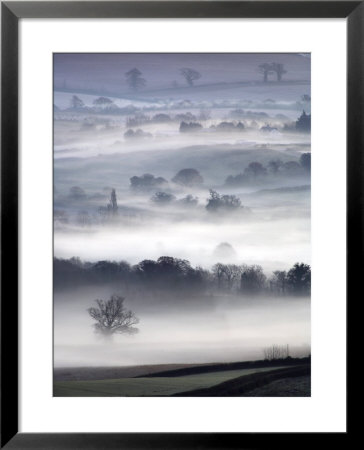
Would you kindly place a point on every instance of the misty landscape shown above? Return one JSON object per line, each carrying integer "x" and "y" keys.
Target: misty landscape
{"x": 182, "y": 187}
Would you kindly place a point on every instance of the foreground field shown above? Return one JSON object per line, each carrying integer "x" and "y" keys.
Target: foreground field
{"x": 146, "y": 387}
{"x": 288, "y": 387}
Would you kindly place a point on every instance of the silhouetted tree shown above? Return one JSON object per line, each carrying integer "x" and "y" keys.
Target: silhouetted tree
{"x": 189, "y": 200}
{"x": 173, "y": 274}
{"x": 83, "y": 218}
{"x": 77, "y": 193}
{"x": 187, "y": 117}
{"x": 163, "y": 198}
{"x": 106, "y": 271}
{"x": 60, "y": 216}
{"x": 278, "y": 281}
{"x": 170, "y": 273}
{"x": 276, "y": 352}
{"x": 255, "y": 169}
{"x": 303, "y": 123}
{"x": 161, "y": 118}
{"x": 268, "y": 129}
{"x": 187, "y": 127}
{"x": 190, "y": 75}
{"x": 237, "y": 180}
{"x": 274, "y": 165}
{"x": 232, "y": 273}
{"x": 102, "y": 101}
{"x": 278, "y": 68}
{"x": 252, "y": 279}
{"x": 76, "y": 102}
{"x": 188, "y": 177}
{"x": 292, "y": 168}
{"x": 113, "y": 205}
{"x": 138, "y": 120}
{"x": 135, "y": 80}
{"x": 227, "y": 203}
{"x": 147, "y": 182}
{"x": 230, "y": 126}
{"x": 305, "y": 161}
{"x": 299, "y": 278}
{"x": 112, "y": 317}
{"x": 138, "y": 134}
{"x": 306, "y": 98}
{"x": 219, "y": 274}
{"x": 265, "y": 69}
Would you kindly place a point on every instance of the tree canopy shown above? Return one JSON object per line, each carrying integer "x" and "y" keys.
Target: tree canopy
{"x": 135, "y": 80}
{"x": 112, "y": 317}
{"x": 190, "y": 75}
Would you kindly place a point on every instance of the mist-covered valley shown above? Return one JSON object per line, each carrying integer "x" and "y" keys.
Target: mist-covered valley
{"x": 189, "y": 199}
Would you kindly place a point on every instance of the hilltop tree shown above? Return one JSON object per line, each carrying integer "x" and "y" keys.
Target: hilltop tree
{"x": 113, "y": 318}
{"x": 147, "y": 182}
{"x": 190, "y": 75}
{"x": 188, "y": 177}
{"x": 102, "y": 101}
{"x": 279, "y": 69}
{"x": 266, "y": 69}
{"x": 274, "y": 165}
{"x": 135, "y": 80}
{"x": 76, "y": 102}
{"x": 269, "y": 68}
{"x": 255, "y": 169}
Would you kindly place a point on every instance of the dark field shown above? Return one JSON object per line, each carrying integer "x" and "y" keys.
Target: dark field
{"x": 109, "y": 373}
{"x": 288, "y": 387}
{"x": 278, "y": 378}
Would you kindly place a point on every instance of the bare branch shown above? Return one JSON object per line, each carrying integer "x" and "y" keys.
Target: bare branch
{"x": 112, "y": 317}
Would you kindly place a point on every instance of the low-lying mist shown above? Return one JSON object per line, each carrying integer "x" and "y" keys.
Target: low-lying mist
{"x": 228, "y": 329}
{"x": 188, "y": 198}
{"x": 274, "y": 243}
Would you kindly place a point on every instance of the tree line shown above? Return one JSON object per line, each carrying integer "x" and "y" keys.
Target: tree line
{"x": 256, "y": 171}
{"x": 168, "y": 274}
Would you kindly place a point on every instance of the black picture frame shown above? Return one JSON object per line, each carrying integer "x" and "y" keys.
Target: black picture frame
{"x": 11, "y": 13}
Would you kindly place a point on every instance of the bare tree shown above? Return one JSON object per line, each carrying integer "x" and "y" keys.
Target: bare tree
{"x": 279, "y": 69}
{"x": 275, "y": 352}
{"x": 232, "y": 273}
{"x": 190, "y": 75}
{"x": 279, "y": 281}
{"x": 218, "y": 273}
{"x": 266, "y": 69}
{"x": 252, "y": 279}
{"x": 113, "y": 318}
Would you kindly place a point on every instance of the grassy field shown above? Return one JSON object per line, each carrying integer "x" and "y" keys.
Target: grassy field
{"x": 141, "y": 387}
{"x": 287, "y": 387}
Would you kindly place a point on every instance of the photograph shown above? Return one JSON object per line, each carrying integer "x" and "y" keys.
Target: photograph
{"x": 182, "y": 224}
